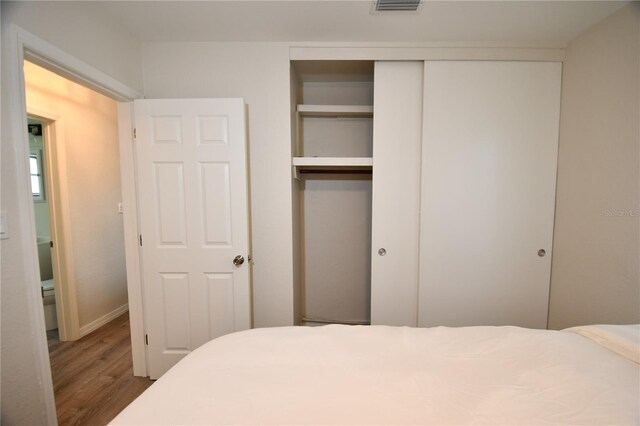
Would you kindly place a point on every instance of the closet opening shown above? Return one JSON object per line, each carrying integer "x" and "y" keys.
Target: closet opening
{"x": 332, "y": 147}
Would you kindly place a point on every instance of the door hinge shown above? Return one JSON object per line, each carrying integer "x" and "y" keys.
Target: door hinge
{"x": 146, "y": 339}
{"x": 140, "y": 240}
{"x": 134, "y": 133}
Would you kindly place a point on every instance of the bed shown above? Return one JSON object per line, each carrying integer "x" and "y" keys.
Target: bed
{"x": 400, "y": 375}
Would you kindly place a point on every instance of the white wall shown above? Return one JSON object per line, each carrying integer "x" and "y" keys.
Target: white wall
{"x": 596, "y": 262}
{"x": 259, "y": 73}
{"x": 73, "y": 28}
{"x": 93, "y": 187}
{"x": 80, "y": 29}
{"x": 41, "y": 212}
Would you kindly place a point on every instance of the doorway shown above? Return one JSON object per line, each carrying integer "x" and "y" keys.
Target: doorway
{"x": 17, "y": 220}
{"x": 41, "y": 193}
{"x": 79, "y": 154}
{"x": 74, "y": 166}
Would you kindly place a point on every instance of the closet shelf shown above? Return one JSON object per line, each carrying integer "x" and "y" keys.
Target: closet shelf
{"x": 306, "y": 110}
{"x": 341, "y": 165}
{"x": 333, "y": 162}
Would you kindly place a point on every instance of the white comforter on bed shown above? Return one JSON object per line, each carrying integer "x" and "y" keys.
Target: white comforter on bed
{"x": 399, "y": 375}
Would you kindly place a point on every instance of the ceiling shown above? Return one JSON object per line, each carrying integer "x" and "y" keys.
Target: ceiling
{"x": 513, "y": 22}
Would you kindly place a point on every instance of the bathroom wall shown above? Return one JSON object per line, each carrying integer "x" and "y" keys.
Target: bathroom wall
{"x": 41, "y": 210}
{"x": 89, "y": 147}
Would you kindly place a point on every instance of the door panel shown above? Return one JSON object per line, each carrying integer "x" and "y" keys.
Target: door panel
{"x": 216, "y": 199}
{"x": 397, "y": 136}
{"x": 175, "y": 310}
{"x": 169, "y": 192}
{"x": 488, "y": 192}
{"x": 192, "y": 189}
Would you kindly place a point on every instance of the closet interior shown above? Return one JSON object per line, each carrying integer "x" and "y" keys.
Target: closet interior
{"x": 332, "y": 147}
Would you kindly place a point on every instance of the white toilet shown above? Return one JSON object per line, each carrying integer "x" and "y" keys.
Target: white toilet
{"x": 49, "y": 302}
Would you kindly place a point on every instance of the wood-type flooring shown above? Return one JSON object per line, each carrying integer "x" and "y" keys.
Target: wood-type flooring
{"x": 93, "y": 377}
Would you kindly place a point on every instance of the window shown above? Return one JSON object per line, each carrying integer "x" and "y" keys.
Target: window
{"x": 37, "y": 178}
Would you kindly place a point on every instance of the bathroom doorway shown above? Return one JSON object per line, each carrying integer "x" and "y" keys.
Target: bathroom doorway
{"x": 74, "y": 166}
{"x": 74, "y": 161}
{"x": 41, "y": 192}
{"x": 51, "y": 222}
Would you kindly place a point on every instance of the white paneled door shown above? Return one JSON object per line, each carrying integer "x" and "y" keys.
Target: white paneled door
{"x": 489, "y": 156}
{"x": 192, "y": 192}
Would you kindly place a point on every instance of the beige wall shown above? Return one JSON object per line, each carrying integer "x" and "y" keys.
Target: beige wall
{"x": 596, "y": 261}
{"x": 93, "y": 186}
{"x": 259, "y": 73}
{"x": 74, "y": 28}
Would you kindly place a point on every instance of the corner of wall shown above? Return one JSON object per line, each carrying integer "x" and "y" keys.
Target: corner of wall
{"x": 596, "y": 260}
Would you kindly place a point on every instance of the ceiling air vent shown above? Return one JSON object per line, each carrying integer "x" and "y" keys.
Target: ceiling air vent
{"x": 397, "y": 5}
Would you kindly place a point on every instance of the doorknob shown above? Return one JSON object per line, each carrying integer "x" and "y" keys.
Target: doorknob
{"x": 238, "y": 260}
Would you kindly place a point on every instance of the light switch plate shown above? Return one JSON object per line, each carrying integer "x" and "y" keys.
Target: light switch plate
{"x": 4, "y": 225}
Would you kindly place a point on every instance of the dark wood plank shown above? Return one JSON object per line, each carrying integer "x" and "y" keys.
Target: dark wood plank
{"x": 93, "y": 377}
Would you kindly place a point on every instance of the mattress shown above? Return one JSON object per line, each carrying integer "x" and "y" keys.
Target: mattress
{"x": 400, "y": 375}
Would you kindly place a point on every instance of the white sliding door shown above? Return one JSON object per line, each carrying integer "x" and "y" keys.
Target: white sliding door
{"x": 397, "y": 134}
{"x": 488, "y": 191}
{"x": 192, "y": 191}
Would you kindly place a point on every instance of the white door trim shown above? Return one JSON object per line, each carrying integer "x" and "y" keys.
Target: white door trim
{"x": 41, "y": 52}
{"x": 58, "y": 197}
{"x": 14, "y": 82}
{"x": 23, "y": 44}
{"x": 424, "y": 52}
{"x": 131, "y": 232}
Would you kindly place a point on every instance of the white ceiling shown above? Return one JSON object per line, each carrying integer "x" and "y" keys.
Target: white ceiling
{"x": 519, "y": 22}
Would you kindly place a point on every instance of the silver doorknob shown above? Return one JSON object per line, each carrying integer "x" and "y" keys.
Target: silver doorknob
{"x": 238, "y": 260}
{"x": 382, "y": 252}
{"x": 541, "y": 252}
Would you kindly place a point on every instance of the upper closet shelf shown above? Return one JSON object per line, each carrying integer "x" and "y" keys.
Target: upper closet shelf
{"x": 333, "y": 162}
{"x": 335, "y": 110}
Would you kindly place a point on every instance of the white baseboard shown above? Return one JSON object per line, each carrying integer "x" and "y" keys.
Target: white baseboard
{"x": 96, "y": 324}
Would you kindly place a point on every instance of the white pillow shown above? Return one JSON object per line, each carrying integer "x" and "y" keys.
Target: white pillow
{"x": 621, "y": 339}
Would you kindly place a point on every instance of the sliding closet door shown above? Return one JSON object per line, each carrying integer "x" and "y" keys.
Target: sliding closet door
{"x": 397, "y": 134}
{"x": 488, "y": 190}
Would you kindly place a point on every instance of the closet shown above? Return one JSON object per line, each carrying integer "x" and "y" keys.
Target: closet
{"x": 332, "y": 125}
{"x": 424, "y": 191}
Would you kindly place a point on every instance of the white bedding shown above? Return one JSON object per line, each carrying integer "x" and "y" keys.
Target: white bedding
{"x": 400, "y": 375}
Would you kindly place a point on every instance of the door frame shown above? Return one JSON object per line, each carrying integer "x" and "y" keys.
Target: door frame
{"x": 129, "y": 189}
{"x": 24, "y": 45}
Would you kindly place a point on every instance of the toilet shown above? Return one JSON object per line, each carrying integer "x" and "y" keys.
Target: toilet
{"x": 49, "y": 302}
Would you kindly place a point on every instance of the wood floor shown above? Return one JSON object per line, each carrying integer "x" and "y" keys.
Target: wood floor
{"x": 93, "y": 377}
